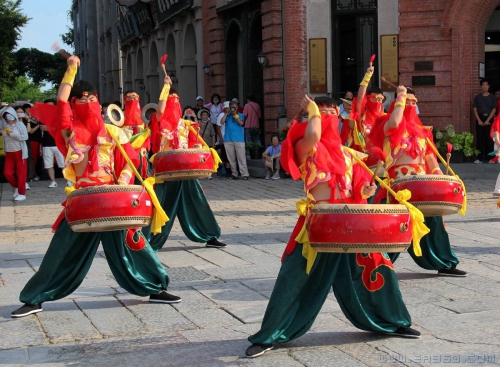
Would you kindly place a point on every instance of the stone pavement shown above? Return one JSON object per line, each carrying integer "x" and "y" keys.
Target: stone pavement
{"x": 225, "y": 293}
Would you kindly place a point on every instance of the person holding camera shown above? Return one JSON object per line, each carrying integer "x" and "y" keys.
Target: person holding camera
{"x": 234, "y": 140}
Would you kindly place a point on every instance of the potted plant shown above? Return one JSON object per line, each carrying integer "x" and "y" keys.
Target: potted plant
{"x": 253, "y": 149}
{"x": 462, "y": 143}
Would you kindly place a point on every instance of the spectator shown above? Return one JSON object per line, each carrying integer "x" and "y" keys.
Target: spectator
{"x": 15, "y": 136}
{"x": 252, "y": 115}
{"x": 199, "y": 105}
{"x": 234, "y": 141}
{"x": 272, "y": 158}
{"x": 240, "y": 109}
{"x": 104, "y": 112}
{"x": 484, "y": 107}
{"x": 215, "y": 108}
{"x": 35, "y": 139}
{"x": 21, "y": 116}
{"x": 220, "y": 131}
{"x": 207, "y": 130}
{"x": 188, "y": 114}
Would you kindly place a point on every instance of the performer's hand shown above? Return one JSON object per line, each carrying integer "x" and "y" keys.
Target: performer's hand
{"x": 73, "y": 60}
{"x": 369, "y": 190}
{"x": 167, "y": 80}
{"x": 370, "y": 69}
{"x": 268, "y": 159}
{"x": 305, "y": 102}
{"x": 400, "y": 89}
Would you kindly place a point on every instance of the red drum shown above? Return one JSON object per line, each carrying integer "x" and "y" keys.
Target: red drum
{"x": 434, "y": 195}
{"x": 108, "y": 208}
{"x": 183, "y": 164}
{"x": 359, "y": 228}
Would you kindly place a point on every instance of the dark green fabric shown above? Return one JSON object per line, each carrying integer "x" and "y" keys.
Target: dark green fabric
{"x": 436, "y": 248}
{"x": 297, "y": 298}
{"x": 138, "y": 272}
{"x": 186, "y": 201}
{"x": 70, "y": 255}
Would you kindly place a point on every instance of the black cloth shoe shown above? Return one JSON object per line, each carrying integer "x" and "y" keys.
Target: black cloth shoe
{"x": 215, "y": 243}
{"x": 256, "y": 350}
{"x": 27, "y": 310}
{"x": 245, "y": 177}
{"x": 164, "y": 297}
{"x": 233, "y": 177}
{"x": 406, "y": 332}
{"x": 452, "y": 272}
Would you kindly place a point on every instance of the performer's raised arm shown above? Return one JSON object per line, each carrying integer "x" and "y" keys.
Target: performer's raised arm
{"x": 313, "y": 131}
{"x": 64, "y": 92}
{"x": 162, "y": 102}
{"x": 363, "y": 86}
{"x": 399, "y": 109}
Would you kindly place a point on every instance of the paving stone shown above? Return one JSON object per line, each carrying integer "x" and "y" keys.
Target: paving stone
{"x": 63, "y": 321}
{"x": 272, "y": 359}
{"x": 92, "y": 292}
{"x": 18, "y": 333}
{"x": 192, "y": 300}
{"x": 468, "y": 321}
{"x": 50, "y": 354}
{"x": 180, "y": 258}
{"x": 14, "y": 356}
{"x": 471, "y": 305}
{"x": 219, "y": 258}
{"x": 325, "y": 357}
{"x": 212, "y": 334}
{"x": 155, "y": 316}
{"x": 211, "y": 318}
{"x": 110, "y": 317}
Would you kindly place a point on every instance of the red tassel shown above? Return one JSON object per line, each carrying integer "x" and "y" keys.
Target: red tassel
{"x": 449, "y": 147}
{"x": 163, "y": 59}
{"x": 372, "y": 59}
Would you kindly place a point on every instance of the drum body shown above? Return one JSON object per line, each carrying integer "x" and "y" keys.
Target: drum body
{"x": 183, "y": 164}
{"x": 433, "y": 195}
{"x": 359, "y": 228}
{"x": 108, "y": 208}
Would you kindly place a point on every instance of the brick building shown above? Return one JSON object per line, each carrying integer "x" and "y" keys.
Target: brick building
{"x": 309, "y": 46}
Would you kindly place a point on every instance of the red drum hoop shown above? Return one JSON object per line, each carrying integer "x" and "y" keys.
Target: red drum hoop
{"x": 433, "y": 195}
{"x": 108, "y": 208}
{"x": 359, "y": 228}
{"x": 183, "y": 164}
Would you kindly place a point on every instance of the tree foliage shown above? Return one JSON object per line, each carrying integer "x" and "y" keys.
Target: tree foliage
{"x": 39, "y": 66}
{"x": 11, "y": 21}
{"x": 25, "y": 90}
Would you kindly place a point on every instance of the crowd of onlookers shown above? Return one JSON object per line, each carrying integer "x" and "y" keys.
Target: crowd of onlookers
{"x": 29, "y": 149}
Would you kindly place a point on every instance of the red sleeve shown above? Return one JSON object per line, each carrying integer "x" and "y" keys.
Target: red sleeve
{"x": 360, "y": 177}
{"x": 120, "y": 161}
{"x": 495, "y": 126}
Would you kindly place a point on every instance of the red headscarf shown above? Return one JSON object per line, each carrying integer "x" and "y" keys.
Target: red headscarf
{"x": 132, "y": 113}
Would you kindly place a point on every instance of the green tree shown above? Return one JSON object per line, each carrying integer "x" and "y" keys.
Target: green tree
{"x": 11, "y": 21}
{"x": 69, "y": 37}
{"x": 39, "y": 66}
{"x": 24, "y": 90}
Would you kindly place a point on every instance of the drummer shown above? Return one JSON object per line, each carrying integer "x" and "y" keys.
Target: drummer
{"x": 313, "y": 152}
{"x": 404, "y": 138}
{"x": 89, "y": 162}
{"x": 183, "y": 199}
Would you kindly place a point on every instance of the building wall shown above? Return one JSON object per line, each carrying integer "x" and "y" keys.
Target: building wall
{"x": 451, "y": 34}
{"x": 319, "y": 25}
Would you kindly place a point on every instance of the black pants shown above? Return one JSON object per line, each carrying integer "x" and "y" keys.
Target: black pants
{"x": 483, "y": 140}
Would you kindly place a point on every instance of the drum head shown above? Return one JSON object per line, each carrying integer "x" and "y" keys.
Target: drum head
{"x": 147, "y": 111}
{"x": 115, "y": 115}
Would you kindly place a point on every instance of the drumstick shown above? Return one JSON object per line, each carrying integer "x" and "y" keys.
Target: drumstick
{"x": 448, "y": 156}
{"x": 162, "y": 63}
{"x": 388, "y": 82}
{"x": 372, "y": 59}
{"x": 379, "y": 164}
